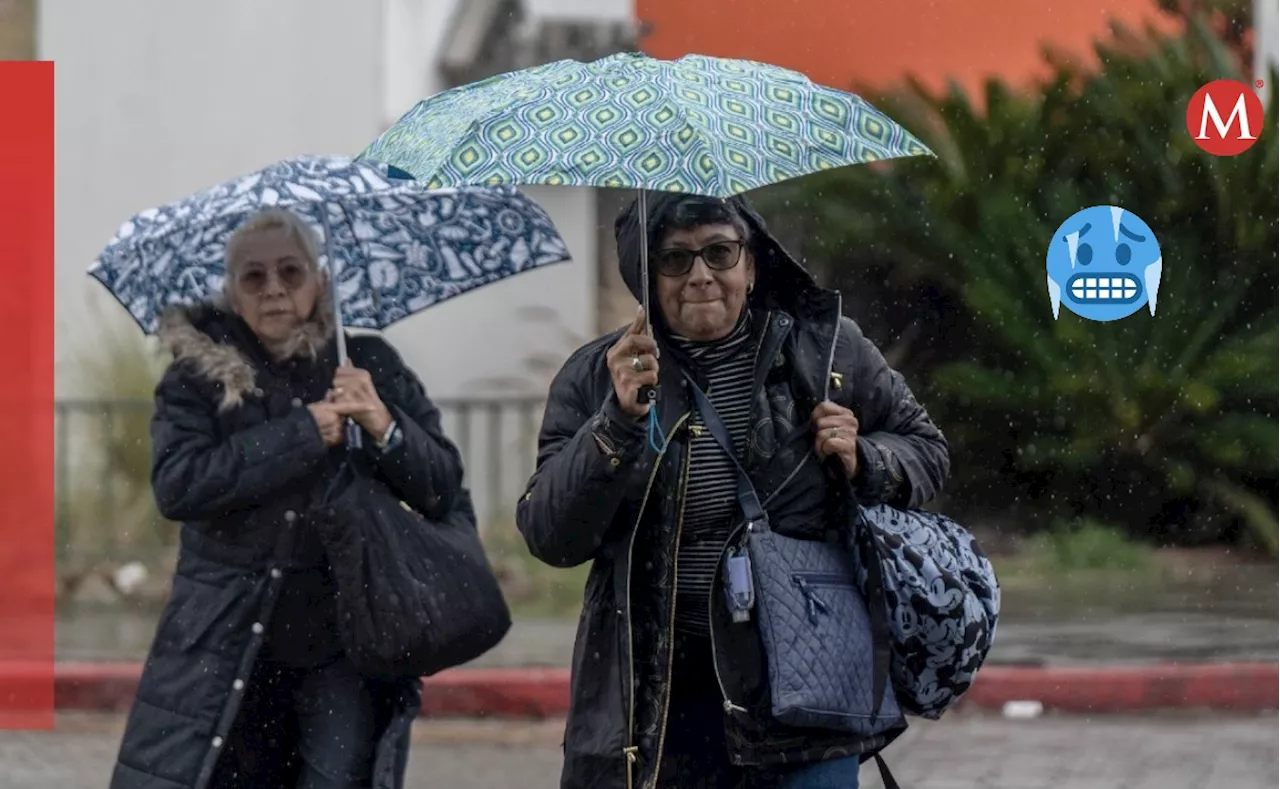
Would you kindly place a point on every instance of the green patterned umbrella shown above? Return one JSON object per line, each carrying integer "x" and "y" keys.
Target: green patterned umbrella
{"x": 699, "y": 125}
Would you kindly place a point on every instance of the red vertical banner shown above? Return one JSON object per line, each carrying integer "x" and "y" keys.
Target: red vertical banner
{"x": 27, "y": 577}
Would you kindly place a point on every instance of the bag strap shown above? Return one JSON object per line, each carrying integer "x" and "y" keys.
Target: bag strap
{"x": 754, "y": 513}
{"x": 748, "y": 500}
{"x": 886, "y": 777}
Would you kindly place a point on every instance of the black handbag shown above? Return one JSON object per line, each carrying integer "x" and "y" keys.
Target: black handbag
{"x": 414, "y": 596}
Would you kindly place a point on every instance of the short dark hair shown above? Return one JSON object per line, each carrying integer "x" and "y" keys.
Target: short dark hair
{"x": 694, "y": 211}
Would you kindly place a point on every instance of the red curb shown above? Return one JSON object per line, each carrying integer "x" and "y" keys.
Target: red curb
{"x": 498, "y": 693}
{"x": 466, "y": 692}
{"x": 1233, "y": 687}
{"x": 544, "y": 692}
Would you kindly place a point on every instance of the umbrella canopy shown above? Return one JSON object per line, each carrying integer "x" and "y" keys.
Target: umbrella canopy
{"x": 397, "y": 247}
{"x": 698, "y": 125}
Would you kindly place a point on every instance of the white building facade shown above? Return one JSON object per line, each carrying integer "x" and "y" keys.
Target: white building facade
{"x": 1266, "y": 40}
{"x": 157, "y": 99}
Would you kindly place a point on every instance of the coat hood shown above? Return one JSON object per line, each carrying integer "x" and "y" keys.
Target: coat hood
{"x": 221, "y": 348}
{"x": 781, "y": 281}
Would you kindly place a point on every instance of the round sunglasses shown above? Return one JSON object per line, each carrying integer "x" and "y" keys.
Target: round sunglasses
{"x": 253, "y": 280}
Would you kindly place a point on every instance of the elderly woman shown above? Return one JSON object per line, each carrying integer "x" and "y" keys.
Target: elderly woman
{"x": 246, "y": 684}
{"x": 655, "y": 669}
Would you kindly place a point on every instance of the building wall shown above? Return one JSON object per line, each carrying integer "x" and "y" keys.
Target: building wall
{"x": 17, "y": 29}
{"x": 157, "y": 99}
{"x": 488, "y": 343}
{"x": 1266, "y": 26}
{"x": 839, "y": 43}
{"x": 508, "y": 339}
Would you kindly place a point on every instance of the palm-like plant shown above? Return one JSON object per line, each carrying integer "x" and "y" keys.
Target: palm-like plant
{"x": 1165, "y": 425}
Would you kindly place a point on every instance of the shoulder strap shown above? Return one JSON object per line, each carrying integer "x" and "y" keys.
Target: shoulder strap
{"x": 748, "y": 499}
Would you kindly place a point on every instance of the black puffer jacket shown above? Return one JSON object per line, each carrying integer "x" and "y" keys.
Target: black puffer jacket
{"x": 238, "y": 458}
{"x": 600, "y": 494}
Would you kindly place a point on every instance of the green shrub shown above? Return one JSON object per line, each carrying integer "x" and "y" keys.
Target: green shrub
{"x": 533, "y": 589}
{"x": 106, "y": 508}
{"x": 1089, "y": 546}
{"x": 1166, "y": 426}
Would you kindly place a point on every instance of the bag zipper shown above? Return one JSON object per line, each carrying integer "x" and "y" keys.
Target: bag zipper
{"x": 823, "y": 579}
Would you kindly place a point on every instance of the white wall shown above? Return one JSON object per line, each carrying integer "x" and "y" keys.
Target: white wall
{"x": 1266, "y": 27}
{"x": 156, "y": 99}
{"x": 480, "y": 344}
{"x": 611, "y": 10}
{"x": 467, "y": 346}
{"x": 413, "y": 31}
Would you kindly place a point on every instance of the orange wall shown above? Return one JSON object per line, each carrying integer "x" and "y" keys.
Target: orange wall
{"x": 843, "y": 42}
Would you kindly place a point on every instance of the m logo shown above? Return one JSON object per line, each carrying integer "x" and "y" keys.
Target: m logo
{"x": 1225, "y": 117}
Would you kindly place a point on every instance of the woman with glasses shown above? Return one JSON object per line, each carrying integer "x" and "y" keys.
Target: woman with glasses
{"x": 649, "y": 498}
{"x": 246, "y": 684}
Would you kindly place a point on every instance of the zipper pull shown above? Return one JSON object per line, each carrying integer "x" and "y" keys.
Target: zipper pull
{"x": 813, "y": 603}
{"x": 630, "y": 753}
{"x": 697, "y": 430}
{"x": 730, "y": 707}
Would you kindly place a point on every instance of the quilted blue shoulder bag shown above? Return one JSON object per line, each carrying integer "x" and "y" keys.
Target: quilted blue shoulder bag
{"x": 827, "y": 652}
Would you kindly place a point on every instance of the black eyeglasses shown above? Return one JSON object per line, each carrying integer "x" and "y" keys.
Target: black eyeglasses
{"x": 676, "y": 262}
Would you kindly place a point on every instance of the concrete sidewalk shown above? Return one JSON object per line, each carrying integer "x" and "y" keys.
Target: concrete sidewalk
{"x": 964, "y": 751}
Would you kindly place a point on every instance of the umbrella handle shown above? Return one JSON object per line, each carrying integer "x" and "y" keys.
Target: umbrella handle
{"x": 647, "y": 394}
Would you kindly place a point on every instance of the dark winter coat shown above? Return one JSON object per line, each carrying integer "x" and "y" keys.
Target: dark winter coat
{"x": 239, "y": 460}
{"x": 598, "y": 495}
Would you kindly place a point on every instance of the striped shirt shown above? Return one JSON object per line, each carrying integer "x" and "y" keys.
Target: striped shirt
{"x": 710, "y": 504}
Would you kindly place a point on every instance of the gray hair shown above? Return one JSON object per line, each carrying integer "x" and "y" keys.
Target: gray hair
{"x": 272, "y": 220}
{"x": 309, "y": 338}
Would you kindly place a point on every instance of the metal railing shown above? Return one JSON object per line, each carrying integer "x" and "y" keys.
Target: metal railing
{"x": 104, "y": 508}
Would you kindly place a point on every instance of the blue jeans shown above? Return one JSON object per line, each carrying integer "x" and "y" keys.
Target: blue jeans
{"x": 302, "y": 728}
{"x": 839, "y": 773}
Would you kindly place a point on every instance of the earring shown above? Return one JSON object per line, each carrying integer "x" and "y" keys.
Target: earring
{"x": 750, "y": 287}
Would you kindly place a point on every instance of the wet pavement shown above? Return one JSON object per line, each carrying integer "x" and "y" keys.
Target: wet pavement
{"x": 963, "y": 751}
{"x": 1083, "y": 638}
{"x": 1228, "y": 612}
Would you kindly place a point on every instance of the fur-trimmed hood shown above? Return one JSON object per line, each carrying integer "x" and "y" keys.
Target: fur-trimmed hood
{"x": 221, "y": 347}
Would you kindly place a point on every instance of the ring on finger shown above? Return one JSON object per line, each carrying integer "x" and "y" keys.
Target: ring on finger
{"x": 637, "y": 364}
{"x": 835, "y": 432}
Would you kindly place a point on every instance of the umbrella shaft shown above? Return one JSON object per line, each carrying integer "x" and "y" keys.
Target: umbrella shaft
{"x": 643, "y": 206}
